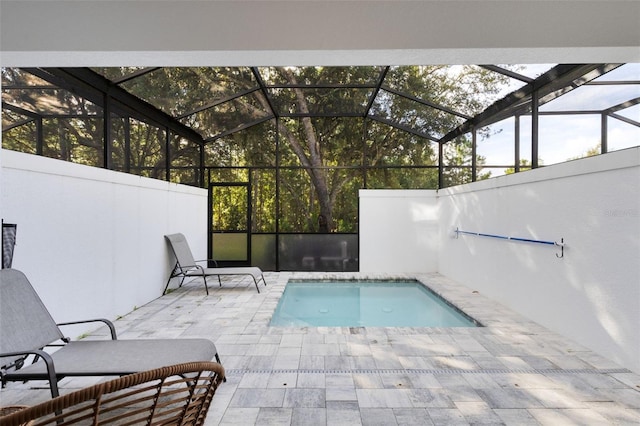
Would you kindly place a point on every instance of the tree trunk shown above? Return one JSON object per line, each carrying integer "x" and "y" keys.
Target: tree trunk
{"x": 313, "y": 163}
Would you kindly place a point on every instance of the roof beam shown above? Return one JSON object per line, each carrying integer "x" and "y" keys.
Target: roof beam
{"x": 426, "y": 103}
{"x": 240, "y": 127}
{"x": 30, "y": 114}
{"x": 265, "y": 92}
{"x": 623, "y": 105}
{"x": 550, "y": 85}
{"x": 20, "y": 110}
{"x": 376, "y": 90}
{"x": 135, "y": 74}
{"x": 321, "y": 114}
{"x": 94, "y": 87}
{"x": 320, "y": 86}
{"x": 219, "y": 102}
{"x": 402, "y": 127}
{"x": 613, "y": 83}
{"x": 625, "y": 119}
{"x": 508, "y": 73}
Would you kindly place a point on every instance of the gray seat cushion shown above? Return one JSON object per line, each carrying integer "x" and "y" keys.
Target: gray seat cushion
{"x": 246, "y": 270}
{"x": 118, "y": 357}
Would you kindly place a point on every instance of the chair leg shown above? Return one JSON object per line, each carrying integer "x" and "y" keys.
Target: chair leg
{"x": 206, "y": 287}
{"x": 167, "y": 286}
{"x": 172, "y": 275}
{"x": 256, "y": 283}
{"x": 51, "y": 373}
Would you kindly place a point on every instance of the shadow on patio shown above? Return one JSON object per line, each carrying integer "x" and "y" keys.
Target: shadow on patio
{"x": 512, "y": 371}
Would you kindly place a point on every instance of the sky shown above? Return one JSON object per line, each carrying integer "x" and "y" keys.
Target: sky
{"x": 568, "y": 136}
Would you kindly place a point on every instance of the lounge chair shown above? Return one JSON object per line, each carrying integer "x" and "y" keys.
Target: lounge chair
{"x": 26, "y": 328}
{"x": 186, "y": 266}
{"x": 173, "y": 395}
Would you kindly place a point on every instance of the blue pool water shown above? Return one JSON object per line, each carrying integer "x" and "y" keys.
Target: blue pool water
{"x": 365, "y": 304}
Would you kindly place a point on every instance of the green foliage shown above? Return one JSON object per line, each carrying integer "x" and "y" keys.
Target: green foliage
{"x": 323, "y": 161}
{"x": 458, "y": 161}
{"x": 595, "y": 150}
{"x": 524, "y": 165}
{"x": 230, "y": 208}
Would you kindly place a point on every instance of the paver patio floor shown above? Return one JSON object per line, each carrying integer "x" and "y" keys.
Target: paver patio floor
{"x": 512, "y": 371}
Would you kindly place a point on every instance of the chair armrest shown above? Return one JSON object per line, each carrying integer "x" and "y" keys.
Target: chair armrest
{"x": 38, "y": 352}
{"x": 109, "y": 324}
{"x": 46, "y": 357}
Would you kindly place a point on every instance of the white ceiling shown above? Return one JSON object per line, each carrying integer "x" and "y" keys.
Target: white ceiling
{"x": 316, "y": 32}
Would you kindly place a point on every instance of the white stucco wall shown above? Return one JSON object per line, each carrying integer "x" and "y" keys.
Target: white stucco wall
{"x": 398, "y": 231}
{"x": 592, "y": 295}
{"x": 91, "y": 241}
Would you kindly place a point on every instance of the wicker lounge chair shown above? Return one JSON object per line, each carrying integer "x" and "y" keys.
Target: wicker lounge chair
{"x": 26, "y": 328}
{"x": 172, "y": 395}
{"x": 186, "y": 266}
{"x": 8, "y": 242}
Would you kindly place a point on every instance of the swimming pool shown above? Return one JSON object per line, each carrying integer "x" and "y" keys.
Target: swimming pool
{"x": 365, "y": 304}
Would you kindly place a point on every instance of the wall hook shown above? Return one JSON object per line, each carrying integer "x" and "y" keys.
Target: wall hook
{"x": 561, "y": 245}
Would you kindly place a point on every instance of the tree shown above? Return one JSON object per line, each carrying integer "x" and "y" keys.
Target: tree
{"x": 595, "y": 150}
{"x": 320, "y": 143}
{"x": 324, "y": 144}
{"x": 524, "y": 165}
{"x": 458, "y": 159}
{"x": 71, "y": 126}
